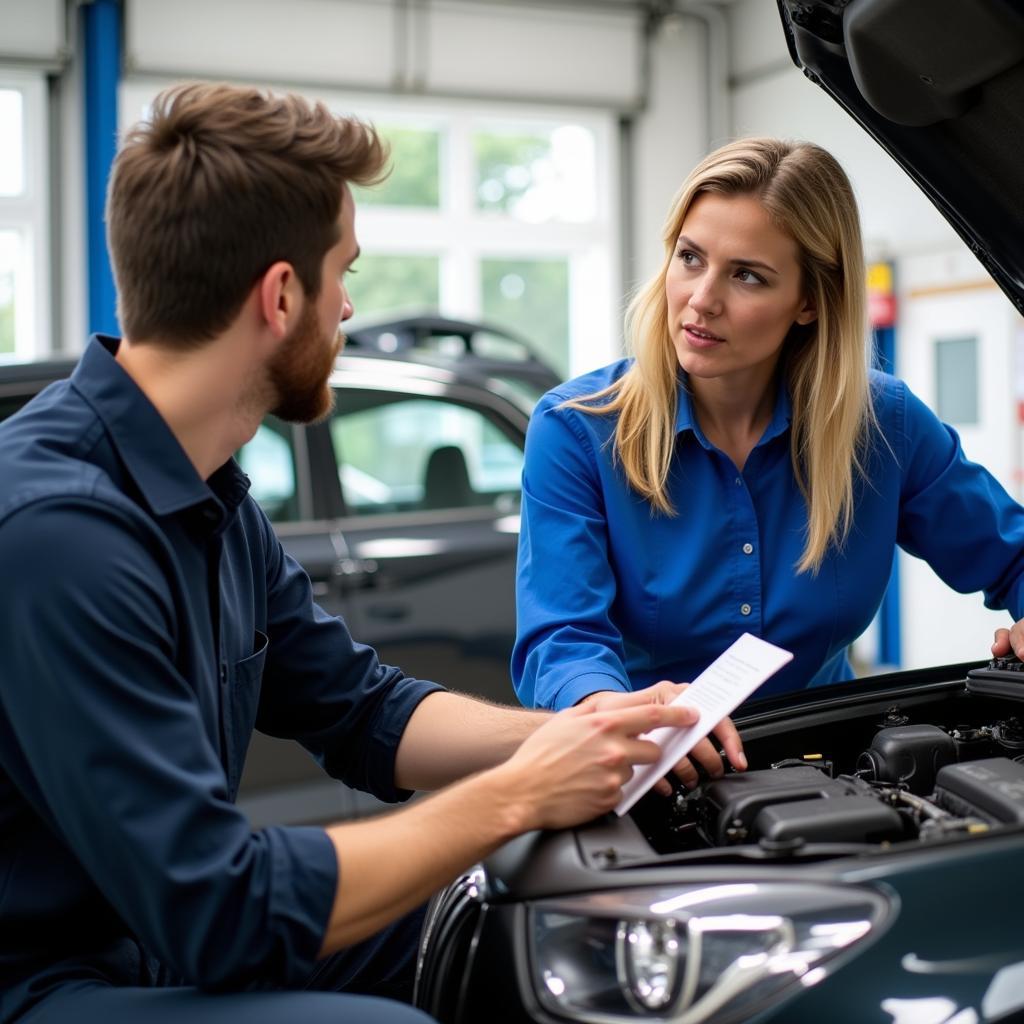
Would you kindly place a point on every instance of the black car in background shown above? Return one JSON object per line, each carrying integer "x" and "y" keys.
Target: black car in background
{"x": 867, "y": 868}
{"x": 480, "y": 348}
{"x": 403, "y": 507}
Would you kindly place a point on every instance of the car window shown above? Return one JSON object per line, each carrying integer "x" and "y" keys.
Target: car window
{"x": 411, "y": 454}
{"x": 269, "y": 462}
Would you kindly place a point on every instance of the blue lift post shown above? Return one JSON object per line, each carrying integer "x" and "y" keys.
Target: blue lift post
{"x": 882, "y": 314}
{"x": 889, "y": 612}
{"x": 101, "y": 28}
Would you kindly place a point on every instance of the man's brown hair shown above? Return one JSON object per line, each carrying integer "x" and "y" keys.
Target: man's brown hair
{"x": 219, "y": 183}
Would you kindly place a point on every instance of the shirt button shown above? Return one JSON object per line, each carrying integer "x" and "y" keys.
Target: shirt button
{"x": 745, "y": 609}
{"x": 739, "y": 482}
{"x": 748, "y": 549}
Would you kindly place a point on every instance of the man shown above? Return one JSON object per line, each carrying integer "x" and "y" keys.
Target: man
{"x": 151, "y": 620}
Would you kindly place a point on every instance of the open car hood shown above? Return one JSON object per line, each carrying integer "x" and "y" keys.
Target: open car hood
{"x": 939, "y": 84}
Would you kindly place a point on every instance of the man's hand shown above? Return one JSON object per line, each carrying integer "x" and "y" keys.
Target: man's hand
{"x": 1009, "y": 641}
{"x": 703, "y": 753}
{"x": 573, "y": 767}
{"x": 529, "y": 770}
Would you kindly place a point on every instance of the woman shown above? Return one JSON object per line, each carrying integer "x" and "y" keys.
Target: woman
{"x": 744, "y": 472}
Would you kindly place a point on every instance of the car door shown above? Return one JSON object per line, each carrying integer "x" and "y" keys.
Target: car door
{"x": 430, "y": 479}
{"x": 284, "y": 463}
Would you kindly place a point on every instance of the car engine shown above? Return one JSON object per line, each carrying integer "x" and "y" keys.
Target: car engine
{"x": 904, "y": 781}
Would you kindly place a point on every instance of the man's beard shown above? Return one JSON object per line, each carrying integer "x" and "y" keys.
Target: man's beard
{"x": 300, "y": 370}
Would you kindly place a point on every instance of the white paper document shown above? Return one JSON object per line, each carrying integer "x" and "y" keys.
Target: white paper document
{"x": 732, "y": 677}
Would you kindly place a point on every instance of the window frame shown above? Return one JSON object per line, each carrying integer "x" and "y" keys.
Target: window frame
{"x": 28, "y": 215}
{"x": 463, "y": 236}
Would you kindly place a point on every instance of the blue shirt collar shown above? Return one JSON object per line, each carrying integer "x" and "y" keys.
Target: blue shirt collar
{"x": 163, "y": 473}
{"x": 686, "y": 417}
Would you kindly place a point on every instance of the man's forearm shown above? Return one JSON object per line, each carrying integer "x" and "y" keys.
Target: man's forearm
{"x": 388, "y": 865}
{"x": 450, "y": 736}
{"x": 564, "y": 769}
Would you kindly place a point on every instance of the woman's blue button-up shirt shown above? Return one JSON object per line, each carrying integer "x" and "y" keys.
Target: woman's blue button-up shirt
{"x": 614, "y": 596}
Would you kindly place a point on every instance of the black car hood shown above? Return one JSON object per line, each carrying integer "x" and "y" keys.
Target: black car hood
{"x": 939, "y": 84}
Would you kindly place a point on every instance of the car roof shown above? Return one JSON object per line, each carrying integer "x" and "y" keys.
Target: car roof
{"x": 940, "y": 86}
{"x": 442, "y": 341}
{"x": 368, "y": 369}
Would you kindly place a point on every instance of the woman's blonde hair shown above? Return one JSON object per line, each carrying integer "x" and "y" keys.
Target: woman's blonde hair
{"x": 808, "y": 196}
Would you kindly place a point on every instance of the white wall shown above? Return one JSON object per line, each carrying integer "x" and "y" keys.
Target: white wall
{"x": 670, "y": 136}
{"x": 464, "y": 48}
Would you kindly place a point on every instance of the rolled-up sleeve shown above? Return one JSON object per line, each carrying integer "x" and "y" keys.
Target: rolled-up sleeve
{"x": 105, "y": 740}
{"x": 954, "y": 513}
{"x": 567, "y": 645}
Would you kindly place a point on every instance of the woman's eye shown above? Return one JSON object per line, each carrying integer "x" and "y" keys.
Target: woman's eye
{"x": 688, "y": 257}
{"x": 749, "y": 277}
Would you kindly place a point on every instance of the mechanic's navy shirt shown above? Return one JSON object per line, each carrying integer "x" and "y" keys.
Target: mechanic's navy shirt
{"x": 149, "y": 621}
{"x": 613, "y": 596}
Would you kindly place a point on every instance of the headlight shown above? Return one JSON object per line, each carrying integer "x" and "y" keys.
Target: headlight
{"x": 691, "y": 955}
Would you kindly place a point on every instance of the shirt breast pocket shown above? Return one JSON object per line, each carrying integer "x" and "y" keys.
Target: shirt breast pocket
{"x": 244, "y": 699}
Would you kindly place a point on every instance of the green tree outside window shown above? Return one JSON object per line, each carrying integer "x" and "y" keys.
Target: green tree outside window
{"x": 531, "y": 298}
{"x": 415, "y": 178}
{"x": 506, "y": 168}
{"x": 386, "y": 285}
{"x": 10, "y": 254}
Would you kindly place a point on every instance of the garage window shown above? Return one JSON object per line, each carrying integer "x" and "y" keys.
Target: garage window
{"x": 24, "y": 299}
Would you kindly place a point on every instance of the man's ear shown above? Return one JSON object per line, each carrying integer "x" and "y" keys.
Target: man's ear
{"x": 808, "y": 314}
{"x": 280, "y": 298}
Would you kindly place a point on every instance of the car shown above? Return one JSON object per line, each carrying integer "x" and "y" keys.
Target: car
{"x": 403, "y": 508}
{"x": 866, "y": 868}
{"x": 482, "y": 348}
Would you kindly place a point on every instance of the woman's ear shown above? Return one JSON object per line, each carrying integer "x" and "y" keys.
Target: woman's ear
{"x": 280, "y": 298}
{"x": 808, "y": 314}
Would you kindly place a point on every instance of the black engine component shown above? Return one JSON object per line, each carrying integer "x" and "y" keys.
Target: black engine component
{"x": 992, "y": 789}
{"x": 731, "y": 804}
{"x": 1001, "y": 677}
{"x": 974, "y": 743}
{"x": 1009, "y": 735}
{"x": 909, "y": 755}
{"x": 839, "y": 819}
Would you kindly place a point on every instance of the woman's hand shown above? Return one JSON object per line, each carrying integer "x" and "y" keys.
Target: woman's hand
{"x": 704, "y": 753}
{"x": 1009, "y": 641}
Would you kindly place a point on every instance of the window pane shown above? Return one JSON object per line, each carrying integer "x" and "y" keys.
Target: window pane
{"x": 394, "y": 284}
{"x": 12, "y": 166}
{"x": 531, "y": 298}
{"x": 415, "y": 170}
{"x": 956, "y": 378}
{"x": 10, "y": 254}
{"x": 269, "y": 462}
{"x": 413, "y": 454}
{"x": 537, "y": 176}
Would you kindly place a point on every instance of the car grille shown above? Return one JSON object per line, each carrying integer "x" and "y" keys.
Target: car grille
{"x": 442, "y": 967}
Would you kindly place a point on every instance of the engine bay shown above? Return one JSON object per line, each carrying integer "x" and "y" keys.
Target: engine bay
{"x": 838, "y": 783}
